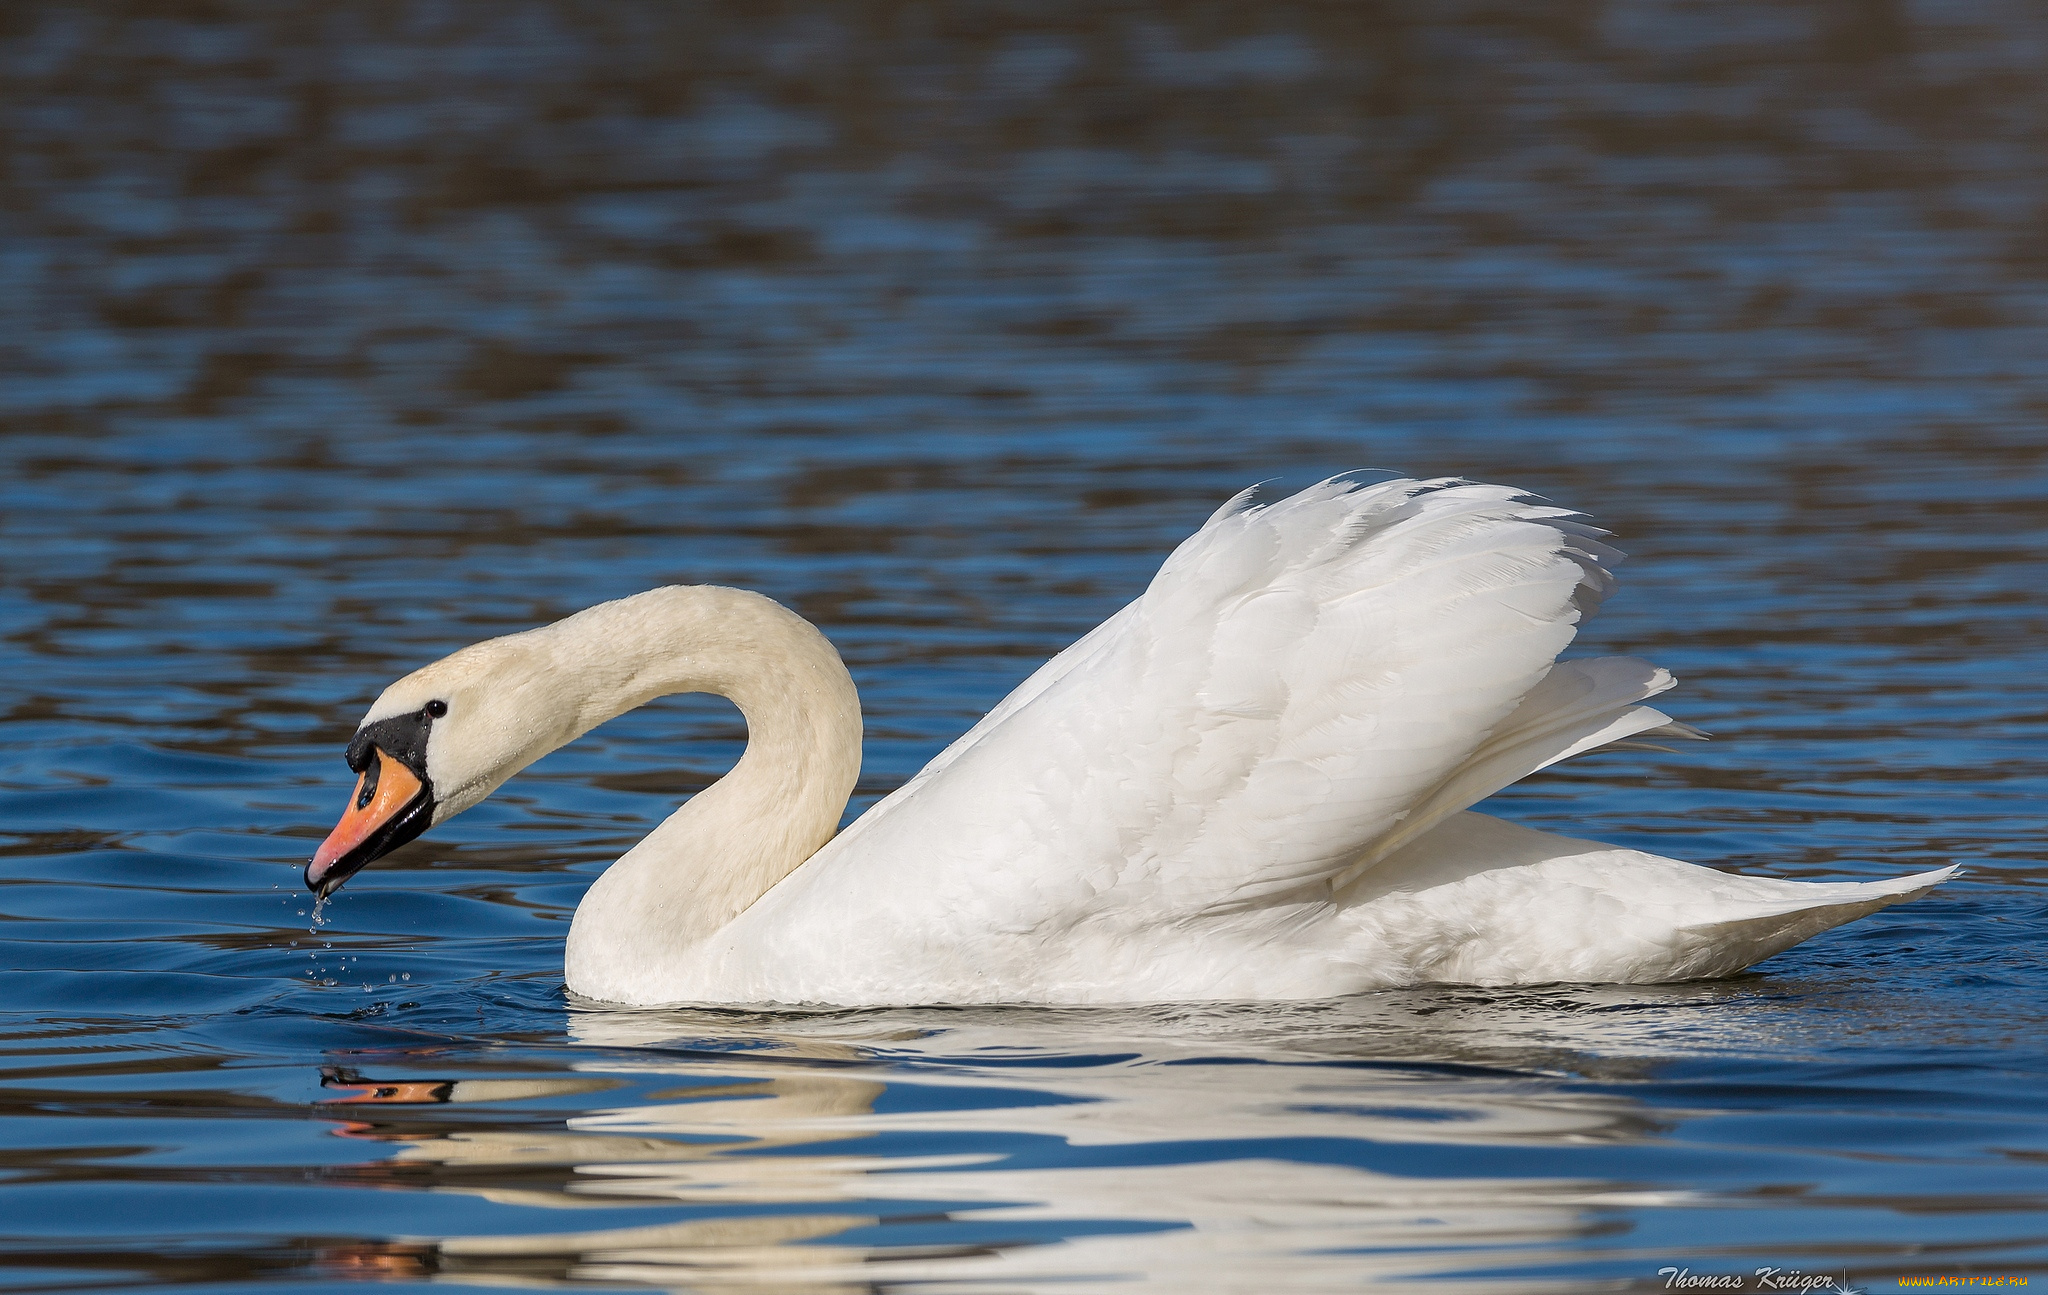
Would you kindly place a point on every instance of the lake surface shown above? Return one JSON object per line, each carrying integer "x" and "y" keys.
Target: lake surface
{"x": 337, "y": 336}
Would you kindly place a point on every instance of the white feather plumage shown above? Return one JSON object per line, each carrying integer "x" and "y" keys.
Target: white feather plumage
{"x": 1249, "y": 783}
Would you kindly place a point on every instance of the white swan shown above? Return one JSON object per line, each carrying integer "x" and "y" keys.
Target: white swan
{"x": 1247, "y": 784}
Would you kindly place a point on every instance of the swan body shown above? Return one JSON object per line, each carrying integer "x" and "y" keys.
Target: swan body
{"x": 1251, "y": 783}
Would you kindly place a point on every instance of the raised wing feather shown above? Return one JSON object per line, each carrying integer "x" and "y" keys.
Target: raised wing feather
{"x": 1579, "y": 706}
{"x": 1298, "y": 679}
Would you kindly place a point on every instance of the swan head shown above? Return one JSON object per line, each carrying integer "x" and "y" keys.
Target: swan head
{"x": 439, "y": 741}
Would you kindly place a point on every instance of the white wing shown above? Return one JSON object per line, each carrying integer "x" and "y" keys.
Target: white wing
{"x": 1299, "y": 681}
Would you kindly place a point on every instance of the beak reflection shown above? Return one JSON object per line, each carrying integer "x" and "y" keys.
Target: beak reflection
{"x": 391, "y": 806}
{"x": 362, "y": 1090}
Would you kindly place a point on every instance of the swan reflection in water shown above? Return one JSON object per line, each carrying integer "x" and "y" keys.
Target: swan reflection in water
{"x": 1188, "y": 1147}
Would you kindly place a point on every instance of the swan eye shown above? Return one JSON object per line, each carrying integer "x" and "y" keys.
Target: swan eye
{"x": 437, "y": 708}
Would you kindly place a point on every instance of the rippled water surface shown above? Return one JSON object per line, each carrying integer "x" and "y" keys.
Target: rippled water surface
{"x": 337, "y": 336}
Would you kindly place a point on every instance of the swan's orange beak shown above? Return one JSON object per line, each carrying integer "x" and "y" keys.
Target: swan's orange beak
{"x": 391, "y": 806}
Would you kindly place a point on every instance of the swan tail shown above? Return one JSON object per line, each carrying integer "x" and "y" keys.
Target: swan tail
{"x": 1725, "y": 946}
{"x": 1482, "y": 901}
{"x": 1580, "y": 706}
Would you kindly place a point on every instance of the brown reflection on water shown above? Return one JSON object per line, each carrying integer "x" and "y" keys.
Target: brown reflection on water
{"x": 432, "y": 218}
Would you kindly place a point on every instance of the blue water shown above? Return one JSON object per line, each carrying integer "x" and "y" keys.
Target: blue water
{"x": 337, "y": 336}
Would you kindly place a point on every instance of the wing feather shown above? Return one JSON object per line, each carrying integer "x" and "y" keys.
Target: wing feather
{"x": 1299, "y": 679}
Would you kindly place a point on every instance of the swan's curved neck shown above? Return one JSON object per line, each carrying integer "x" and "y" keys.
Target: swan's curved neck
{"x": 731, "y": 842}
